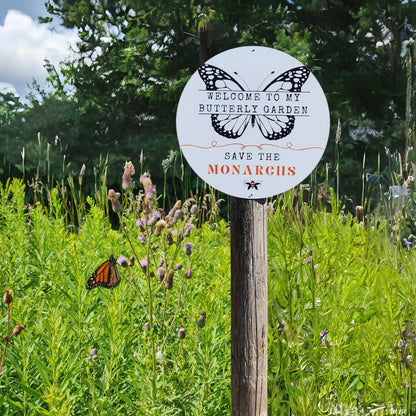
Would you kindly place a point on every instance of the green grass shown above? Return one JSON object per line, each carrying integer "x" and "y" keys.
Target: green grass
{"x": 46, "y": 369}
{"x": 325, "y": 273}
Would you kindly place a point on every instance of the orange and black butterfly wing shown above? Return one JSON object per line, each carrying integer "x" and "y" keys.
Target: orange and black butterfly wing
{"x": 105, "y": 275}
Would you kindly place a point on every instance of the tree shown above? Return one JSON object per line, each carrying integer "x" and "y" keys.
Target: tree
{"x": 357, "y": 58}
{"x": 136, "y": 56}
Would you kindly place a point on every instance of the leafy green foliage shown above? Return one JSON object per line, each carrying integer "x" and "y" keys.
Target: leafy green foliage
{"x": 341, "y": 314}
{"x": 341, "y": 298}
{"x": 47, "y": 370}
{"x": 119, "y": 93}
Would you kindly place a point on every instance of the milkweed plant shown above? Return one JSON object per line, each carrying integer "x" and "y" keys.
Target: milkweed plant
{"x": 166, "y": 266}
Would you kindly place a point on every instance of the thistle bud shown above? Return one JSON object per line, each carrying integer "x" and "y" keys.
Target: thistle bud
{"x": 93, "y": 354}
{"x": 201, "y": 320}
{"x": 159, "y": 227}
{"x": 113, "y": 198}
{"x": 7, "y": 297}
{"x": 169, "y": 237}
{"x": 18, "y": 329}
{"x": 131, "y": 261}
{"x": 146, "y": 326}
{"x": 161, "y": 274}
{"x": 194, "y": 209}
{"x": 188, "y": 273}
{"x": 146, "y": 181}
{"x": 360, "y": 212}
{"x": 181, "y": 333}
{"x": 146, "y": 206}
{"x": 129, "y": 171}
{"x": 169, "y": 279}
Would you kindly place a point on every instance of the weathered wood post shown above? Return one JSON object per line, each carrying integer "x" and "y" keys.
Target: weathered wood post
{"x": 248, "y": 307}
{"x": 251, "y": 143}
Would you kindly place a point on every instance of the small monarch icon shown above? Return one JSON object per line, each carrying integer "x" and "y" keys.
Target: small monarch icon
{"x": 253, "y": 185}
{"x": 106, "y": 275}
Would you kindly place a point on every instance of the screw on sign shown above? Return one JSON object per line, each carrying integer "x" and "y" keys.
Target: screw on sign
{"x": 252, "y": 122}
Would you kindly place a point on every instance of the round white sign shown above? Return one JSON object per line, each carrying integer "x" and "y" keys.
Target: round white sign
{"x": 252, "y": 122}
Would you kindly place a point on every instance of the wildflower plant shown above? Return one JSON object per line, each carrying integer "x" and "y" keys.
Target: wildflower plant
{"x": 8, "y": 301}
{"x": 160, "y": 262}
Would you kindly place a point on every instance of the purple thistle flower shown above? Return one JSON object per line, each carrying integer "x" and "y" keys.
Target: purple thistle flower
{"x": 188, "y": 248}
{"x": 122, "y": 260}
{"x": 143, "y": 263}
{"x": 128, "y": 173}
{"x": 188, "y": 230}
{"x": 152, "y": 221}
{"x": 179, "y": 266}
{"x": 141, "y": 224}
{"x": 142, "y": 238}
{"x": 194, "y": 209}
{"x": 150, "y": 192}
{"x": 174, "y": 208}
{"x": 188, "y": 273}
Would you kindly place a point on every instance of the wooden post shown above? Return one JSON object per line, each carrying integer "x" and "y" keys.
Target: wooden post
{"x": 248, "y": 307}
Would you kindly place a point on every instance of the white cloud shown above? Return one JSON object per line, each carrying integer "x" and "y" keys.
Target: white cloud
{"x": 5, "y": 87}
{"x": 24, "y": 45}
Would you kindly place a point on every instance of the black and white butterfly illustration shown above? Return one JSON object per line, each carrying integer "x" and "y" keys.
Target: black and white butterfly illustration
{"x": 272, "y": 127}
{"x": 252, "y": 184}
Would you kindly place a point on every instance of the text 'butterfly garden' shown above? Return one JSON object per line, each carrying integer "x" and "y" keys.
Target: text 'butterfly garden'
{"x": 232, "y": 108}
{"x": 253, "y": 115}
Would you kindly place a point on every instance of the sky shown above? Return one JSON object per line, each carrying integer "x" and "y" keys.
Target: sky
{"x": 25, "y": 43}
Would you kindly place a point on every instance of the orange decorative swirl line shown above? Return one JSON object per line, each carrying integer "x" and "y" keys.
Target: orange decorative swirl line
{"x": 289, "y": 146}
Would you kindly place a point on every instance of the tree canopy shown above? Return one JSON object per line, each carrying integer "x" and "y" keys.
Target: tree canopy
{"x": 135, "y": 57}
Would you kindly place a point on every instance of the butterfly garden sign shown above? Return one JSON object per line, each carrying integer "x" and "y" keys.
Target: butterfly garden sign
{"x": 252, "y": 122}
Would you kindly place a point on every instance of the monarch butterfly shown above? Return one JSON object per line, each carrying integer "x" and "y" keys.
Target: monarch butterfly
{"x": 105, "y": 275}
{"x": 272, "y": 127}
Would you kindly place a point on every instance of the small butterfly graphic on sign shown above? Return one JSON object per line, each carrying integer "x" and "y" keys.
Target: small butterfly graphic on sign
{"x": 272, "y": 127}
{"x": 252, "y": 185}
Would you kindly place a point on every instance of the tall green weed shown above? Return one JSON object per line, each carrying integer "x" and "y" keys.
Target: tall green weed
{"x": 341, "y": 296}
{"x": 50, "y": 368}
